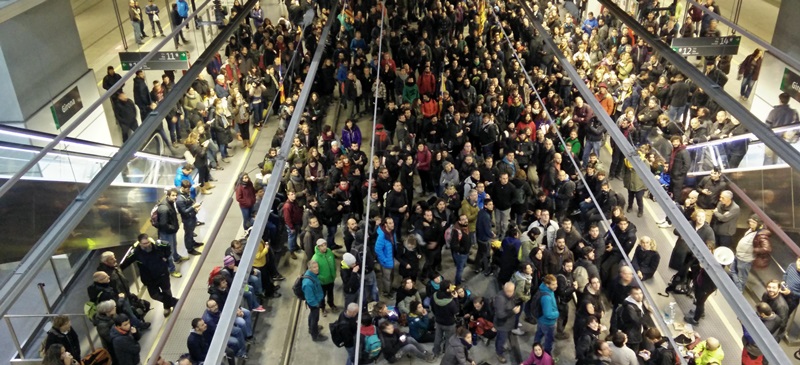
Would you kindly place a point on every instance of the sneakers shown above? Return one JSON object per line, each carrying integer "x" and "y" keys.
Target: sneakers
{"x": 167, "y": 312}
{"x": 501, "y": 359}
{"x": 429, "y": 357}
{"x": 259, "y": 309}
{"x": 176, "y": 274}
{"x": 278, "y": 278}
{"x": 181, "y": 259}
{"x": 518, "y": 332}
{"x": 664, "y": 224}
{"x": 324, "y": 312}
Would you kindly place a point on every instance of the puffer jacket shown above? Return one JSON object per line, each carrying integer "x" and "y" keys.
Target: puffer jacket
{"x": 762, "y": 249}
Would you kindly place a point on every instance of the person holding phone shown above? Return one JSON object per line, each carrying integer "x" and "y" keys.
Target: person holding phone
{"x": 188, "y": 208}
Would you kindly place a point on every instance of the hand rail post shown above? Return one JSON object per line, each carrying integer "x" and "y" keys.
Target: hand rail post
{"x": 14, "y": 337}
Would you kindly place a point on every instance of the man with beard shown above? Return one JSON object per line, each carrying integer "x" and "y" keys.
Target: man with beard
{"x": 152, "y": 259}
{"x": 430, "y": 229}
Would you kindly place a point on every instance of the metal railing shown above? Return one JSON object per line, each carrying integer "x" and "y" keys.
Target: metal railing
{"x": 15, "y": 339}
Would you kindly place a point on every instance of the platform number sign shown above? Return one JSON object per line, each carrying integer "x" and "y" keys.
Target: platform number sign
{"x": 707, "y": 46}
{"x": 171, "y": 60}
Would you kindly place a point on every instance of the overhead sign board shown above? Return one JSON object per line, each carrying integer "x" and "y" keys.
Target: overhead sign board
{"x": 790, "y": 84}
{"x": 707, "y": 46}
{"x": 175, "y": 60}
{"x": 66, "y": 107}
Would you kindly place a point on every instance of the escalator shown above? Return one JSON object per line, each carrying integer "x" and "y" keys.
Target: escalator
{"x": 41, "y": 196}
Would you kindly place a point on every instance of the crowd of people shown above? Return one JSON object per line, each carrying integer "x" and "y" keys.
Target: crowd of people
{"x": 468, "y": 157}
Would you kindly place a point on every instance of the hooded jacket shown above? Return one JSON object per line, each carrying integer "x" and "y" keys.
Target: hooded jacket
{"x": 245, "y": 193}
{"x": 522, "y": 288}
{"x": 351, "y": 281}
{"x": 312, "y": 289}
{"x": 456, "y": 353}
{"x": 549, "y": 306}
{"x": 327, "y": 266}
{"x": 444, "y": 308}
{"x": 126, "y": 346}
{"x": 633, "y": 320}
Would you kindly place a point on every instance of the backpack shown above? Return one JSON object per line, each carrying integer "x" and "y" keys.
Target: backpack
{"x": 519, "y": 196}
{"x": 97, "y": 357}
{"x": 448, "y": 233}
{"x": 297, "y": 288}
{"x": 536, "y": 305}
{"x": 214, "y": 272}
{"x": 90, "y": 307}
{"x": 372, "y": 346}
{"x": 154, "y": 215}
{"x": 337, "y": 336}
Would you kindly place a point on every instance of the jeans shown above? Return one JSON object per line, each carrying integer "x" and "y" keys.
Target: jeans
{"x": 546, "y": 331}
{"x": 173, "y": 242}
{"x": 188, "y": 234}
{"x": 461, "y": 261}
{"x": 591, "y": 146}
{"x": 411, "y": 347}
{"x": 238, "y": 334}
{"x": 153, "y": 24}
{"x": 137, "y": 32}
{"x": 127, "y": 309}
{"x": 250, "y": 296}
{"x": 443, "y": 333}
{"x": 501, "y": 217}
{"x": 292, "y": 239}
{"x": 245, "y": 323}
{"x": 747, "y": 86}
{"x": 256, "y": 282}
{"x": 371, "y": 287}
{"x": 247, "y": 214}
{"x": 500, "y": 342}
{"x": 331, "y": 234}
{"x": 740, "y": 270}
{"x": 675, "y": 112}
{"x": 313, "y": 321}
{"x": 351, "y": 355}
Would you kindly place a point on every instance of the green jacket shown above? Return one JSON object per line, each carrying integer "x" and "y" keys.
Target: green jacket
{"x": 471, "y": 211}
{"x": 631, "y": 180}
{"x": 327, "y": 266}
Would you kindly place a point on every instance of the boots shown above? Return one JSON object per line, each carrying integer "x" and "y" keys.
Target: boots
{"x": 205, "y": 190}
{"x": 209, "y": 186}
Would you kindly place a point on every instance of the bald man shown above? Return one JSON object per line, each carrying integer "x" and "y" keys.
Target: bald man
{"x": 708, "y": 352}
{"x": 505, "y": 314}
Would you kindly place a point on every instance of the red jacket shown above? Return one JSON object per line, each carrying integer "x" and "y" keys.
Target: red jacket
{"x": 762, "y": 249}
{"x": 246, "y": 195}
{"x": 430, "y": 108}
{"x": 427, "y": 83}
{"x": 292, "y": 215}
{"x": 424, "y": 159}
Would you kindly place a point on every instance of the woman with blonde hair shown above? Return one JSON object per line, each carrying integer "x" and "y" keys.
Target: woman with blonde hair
{"x": 646, "y": 258}
{"x": 196, "y": 154}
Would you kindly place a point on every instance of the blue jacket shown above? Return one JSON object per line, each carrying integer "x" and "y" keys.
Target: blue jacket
{"x": 183, "y": 8}
{"x": 418, "y": 325}
{"x": 549, "y": 307}
{"x": 312, "y": 289}
{"x": 384, "y": 249}
{"x": 483, "y": 226}
{"x": 180, "y": 176}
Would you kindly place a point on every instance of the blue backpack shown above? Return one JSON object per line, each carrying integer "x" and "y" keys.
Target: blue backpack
{"x": 372, "y": 346}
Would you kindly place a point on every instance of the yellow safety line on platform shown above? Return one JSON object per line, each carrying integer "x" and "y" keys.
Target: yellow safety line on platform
{"x": 194, "y": 262}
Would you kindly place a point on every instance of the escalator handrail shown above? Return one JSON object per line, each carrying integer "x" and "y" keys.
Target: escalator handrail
{"x": 48, "y": 136}
{"x": 753, "y": 139}
{"x": 6, "y": 187}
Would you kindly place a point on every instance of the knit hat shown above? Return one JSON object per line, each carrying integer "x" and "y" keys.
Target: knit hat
{"x": 756, "y": 219}
{"x": 200, "y": 106}
{"x": 349, "y": 259}
{"x": 228, "y": 260}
